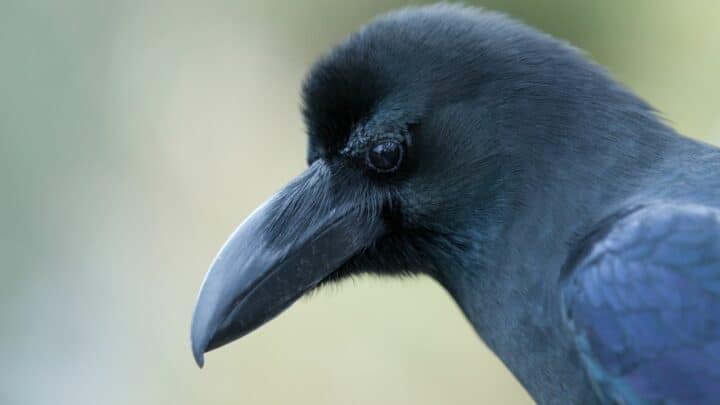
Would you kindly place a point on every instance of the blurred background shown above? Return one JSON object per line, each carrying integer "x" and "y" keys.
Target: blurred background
{"x": 134, "y": 137}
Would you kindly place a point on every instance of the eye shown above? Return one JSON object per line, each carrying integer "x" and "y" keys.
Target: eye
{"x": 385, "y": 156}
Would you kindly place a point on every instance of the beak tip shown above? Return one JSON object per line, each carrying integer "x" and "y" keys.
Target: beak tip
{"x": 198, "y": 342}
{"x": 199, "y": 354}
{"x": 200, "y": 360}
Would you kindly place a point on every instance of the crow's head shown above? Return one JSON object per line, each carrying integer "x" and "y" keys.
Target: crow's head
{"x": 424, "y": 128}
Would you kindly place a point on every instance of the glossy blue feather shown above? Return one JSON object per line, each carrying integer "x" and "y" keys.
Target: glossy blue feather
{"x": 644, "y": 307}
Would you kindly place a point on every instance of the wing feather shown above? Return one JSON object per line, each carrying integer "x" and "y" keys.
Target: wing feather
{"x": 642, "y": 301}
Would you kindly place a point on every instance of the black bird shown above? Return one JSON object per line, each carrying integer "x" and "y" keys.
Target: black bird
{"x": 579, "y": 234}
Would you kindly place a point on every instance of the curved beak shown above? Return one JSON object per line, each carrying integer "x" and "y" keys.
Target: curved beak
{"x": 283, "y": 249}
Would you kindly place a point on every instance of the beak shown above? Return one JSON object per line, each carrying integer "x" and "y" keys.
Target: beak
{"x": 283, "y": 249}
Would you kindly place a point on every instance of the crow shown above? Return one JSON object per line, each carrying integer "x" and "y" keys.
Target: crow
{"x": 578, "y": 232}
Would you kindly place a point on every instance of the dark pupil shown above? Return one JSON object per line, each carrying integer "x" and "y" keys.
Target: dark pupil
{"x": 385, "y": 156}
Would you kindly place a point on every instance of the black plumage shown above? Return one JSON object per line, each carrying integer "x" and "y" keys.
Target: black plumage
{"x": 571, "y": 225}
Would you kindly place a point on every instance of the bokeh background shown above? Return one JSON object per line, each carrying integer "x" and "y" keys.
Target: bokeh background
{"x": 134, "y": 136}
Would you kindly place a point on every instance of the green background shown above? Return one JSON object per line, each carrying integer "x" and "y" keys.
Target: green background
{"x": 134, "y": 136}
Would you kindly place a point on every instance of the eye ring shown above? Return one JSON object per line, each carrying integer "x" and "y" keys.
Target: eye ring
{"x": 385, "y": 156}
